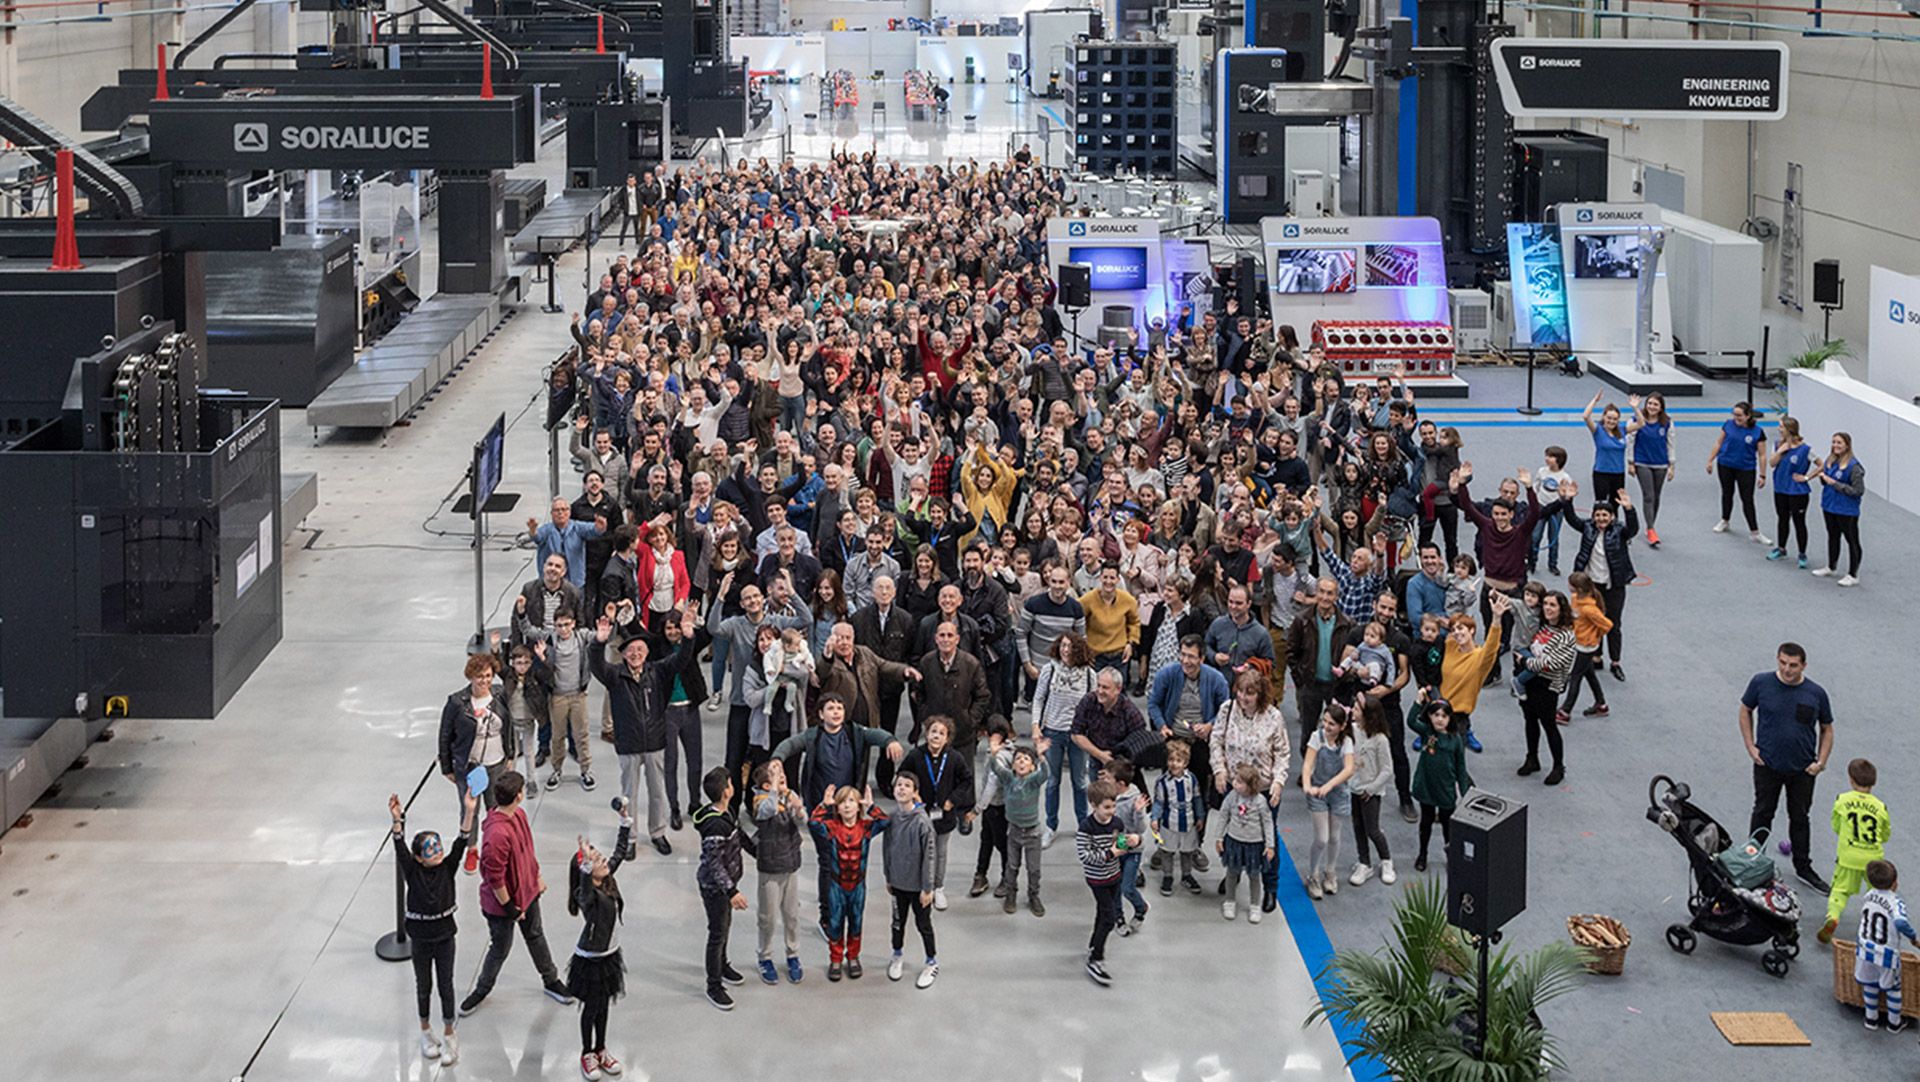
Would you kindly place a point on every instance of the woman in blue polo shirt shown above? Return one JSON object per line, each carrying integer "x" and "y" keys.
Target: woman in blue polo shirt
{"x": 1609, "y": 451}
{"x": 1843, "y": 480}
{"x": 1737, "y": 455}
{"x": 1792, "y": 462}
{"x": 1652, "y": 432}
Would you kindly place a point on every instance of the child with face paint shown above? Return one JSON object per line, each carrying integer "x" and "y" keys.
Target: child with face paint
{"x": 429, "y": 867}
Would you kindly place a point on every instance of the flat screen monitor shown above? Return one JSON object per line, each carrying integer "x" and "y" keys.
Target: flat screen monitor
{"x": 1393, "y": 265}
{"x": 1116, "y": 268}
{"x": 1606, "y": 255}
{"x": 1313, "y": 270}
{"x": 488, "y": 455}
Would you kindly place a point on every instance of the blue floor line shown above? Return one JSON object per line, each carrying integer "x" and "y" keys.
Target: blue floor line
{"x": 1575, "y": 410}
{"x": 1316, "y": 950}
{"x": 1057, "y": 119}
{"x": 1540, "y": 422}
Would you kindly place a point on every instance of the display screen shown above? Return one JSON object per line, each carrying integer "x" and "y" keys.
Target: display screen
{"x": 1116, "y": 268}
{"x": 1393, "y": 265}
{"x": 1313, "y": 270}
{"x": 1539, "y": 285}
{"x": 1606, "y": 255}
{"x": 488, "y": 455}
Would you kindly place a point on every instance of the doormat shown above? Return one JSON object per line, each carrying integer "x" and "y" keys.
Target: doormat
{"x": 1759, "y": 1028}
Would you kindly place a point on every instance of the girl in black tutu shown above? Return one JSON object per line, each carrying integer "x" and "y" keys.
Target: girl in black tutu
{"x": 596, "y": 976}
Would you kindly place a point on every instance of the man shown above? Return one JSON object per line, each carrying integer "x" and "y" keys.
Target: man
{"x": 630, "y": 219}
{"x": 1235, "y": 637}
{"x": 768, "y": 540}
{"x": 602, "y": 456}
{"x": 1185, "y": 698}
{"x": 948, "y": 600}
{"x": 952, "y": 683}
{"x": 1427, "y": 591}
{"x": 1113, "y": 620}
{"x": 1235, "y": 560}
{"x": 985, "y": 600}
{"x": 565, "y": 536}
{"x": 787, "y": 561}
{"x": 1315, "y": 643}
{"x": 886, "y": 629}
{"x": 596, "y": 499}
{"x": 1386, "y": 612}
{"x": 1436, "y": 464}
{"x": 639, "y": 728}
{"x": 543, "y": 599}
{"x": 566, "y": 660}
{"x": 741, "y": 632}
{"x": 1290, "y": 472}
{"x": 510, "y": 890}
{"x": 1787, "y": 723}
{"x": 1105, "y": 719}
{"x": 861, "y": 569}
{"x": 1359, "y": 583}
{"x": 1043, "y": 618}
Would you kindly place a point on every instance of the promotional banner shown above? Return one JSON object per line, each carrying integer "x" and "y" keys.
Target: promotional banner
{"x": 1355, "y": 269}
{"x": 1539, "y": 286}
{"x": 1602, "y": 262}
{"x": 1893, "y": 333}
{"x": 1710, "y": 80}
{"x": 1125, "y": 256}
{"x": 1189, "y": 281}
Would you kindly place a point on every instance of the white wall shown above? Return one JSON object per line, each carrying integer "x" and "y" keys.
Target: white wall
{"x": 814, "y": 15}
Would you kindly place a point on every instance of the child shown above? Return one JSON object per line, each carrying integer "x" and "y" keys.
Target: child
{"x": 1590, "y": 625}
{"x": 1441, "y": 776}
{"x": 946, "y": 786}
{"x": 1861, "y": 825}
{"x": 1100, "y": 846}
{"x": 1369, "y": 660}
{"x": 1246, "y": 841}
{"x": 788, "y": 663}
{"x": 1022, "y": 782}
{"x": 1883, "y": 921}
{"x": 993, "y": 821}
{"x": 1324, "y": 774}
{"x": 1131, "y": 806}
{"x": 1177, "y": 802}
{"x": 907, "y": 857}
{"x": 778, "y": 813}
{"x": 721, "y": 842}
{"x": 1463, "y": 589}
{"x": 1372, "y": 773}
{"x": 597, "y": 976}
{"x": 845, "y": 823}
{"x": 1546, "y": 485}
{"x": 429, "y": 868}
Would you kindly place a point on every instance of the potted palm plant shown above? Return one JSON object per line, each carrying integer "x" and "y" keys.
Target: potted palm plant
{"x": 1818, "y": 352}
{"x": 1418, "y": 1023}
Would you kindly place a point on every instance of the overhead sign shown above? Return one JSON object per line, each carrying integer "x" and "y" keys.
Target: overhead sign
{"x": 294, "y": 132}
{"x": 1700, "y": 80}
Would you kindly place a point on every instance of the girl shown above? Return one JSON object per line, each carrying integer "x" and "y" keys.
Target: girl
{"x": 1441, "y": 777}
{"x": 1736, "y": 453}
{"x": 429, "y": 868}
{"x": 1590, "y": 623}
{"x": 1246, "y": 843}
{"x": 1324, "y": 774}
{"x": 1652, "y": 432}
{"x": 829, "y": 608}
{"x": 1372, "y": 774}
{"x": 1792, "y": 463}
{"x": 1609, "y": 450}
{"x": 946, "y": 789}
{"x": 1843, "y": 480}
{"x": 597, "y": 976}
{"x": 1066, "y": 679}
{"x": 1463, "y": 589}
{"x": 1551, "y": 660}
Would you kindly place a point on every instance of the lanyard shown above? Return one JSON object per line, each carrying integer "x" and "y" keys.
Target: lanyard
{"x": 934, "y": 776}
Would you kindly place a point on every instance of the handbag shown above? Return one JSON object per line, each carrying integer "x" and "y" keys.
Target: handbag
{"x": 1145, "y": 748}
{"x": 1748, "y": 864}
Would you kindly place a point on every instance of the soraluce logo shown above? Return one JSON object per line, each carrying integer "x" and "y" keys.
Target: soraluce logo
{"x": 1528, "y": 63}
{"x": 1583, "y": 215}
{"x": 249, "y": 137}
{"x": 1076, "y": 229}
{"x": 1897, "y": 311}
{"x": 1291, "y": 229}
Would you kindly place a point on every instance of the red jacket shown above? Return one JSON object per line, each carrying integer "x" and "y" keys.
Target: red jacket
{"x": 507, "y": 860}
{"x": 643, "y": 578}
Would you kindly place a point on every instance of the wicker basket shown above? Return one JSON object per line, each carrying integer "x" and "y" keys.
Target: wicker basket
{"x": 1847, "y": 990}
{"x": 1606, "y": 961}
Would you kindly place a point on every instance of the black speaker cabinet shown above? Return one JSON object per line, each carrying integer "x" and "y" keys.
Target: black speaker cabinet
{"x": 1076, "y": 285}
{"x": 1487, "y": 863}
{"x": 1246, "y": 284}
{"x": 1826, "y": 282}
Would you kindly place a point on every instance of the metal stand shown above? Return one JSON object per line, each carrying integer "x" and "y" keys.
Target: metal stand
{"x": 499, "y": 503}
{"x": 553, "y": 266}
{"x": 1749, "y": 356}
{"x": 395, "y": 946}
{"x": 553, "y": 459}
{"x": 1826, "y": 320}
{"x": 1529, "y": 410}
{"x": 1483, "y": 944}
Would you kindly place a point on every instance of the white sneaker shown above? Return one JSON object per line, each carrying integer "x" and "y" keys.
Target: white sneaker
{"x": 449, "y": 1051}
{"x": 939, "y": 897}
{"x": 429, "y": 1046}
{"x": 1330, "y": 882}
{"x": 1387, "y": 875}
{"x": 1227, "y": 909}
{"x": 1361, "y": 873}
{"x": 895, "y": 968}
{"x": 927, "y": 974}
{"x": 1314, "y": 890}
{"x": 1760, "y": 538}
{"x": 1849, "y": 580}
{"x": 1720, "y": 527}
{"x": 1046, "y": 837}
{"x": 1253, "y": 914}
{"x": 1822, "y": 572}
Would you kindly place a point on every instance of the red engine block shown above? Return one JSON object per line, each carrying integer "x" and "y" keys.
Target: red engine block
{"x": 1378, "y": 346}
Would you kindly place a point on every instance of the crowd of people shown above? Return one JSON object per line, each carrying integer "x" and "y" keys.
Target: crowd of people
{"x": 851, "y": 486}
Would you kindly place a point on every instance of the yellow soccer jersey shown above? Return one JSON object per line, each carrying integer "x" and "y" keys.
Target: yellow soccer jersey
{"x": 1862, "y": 825}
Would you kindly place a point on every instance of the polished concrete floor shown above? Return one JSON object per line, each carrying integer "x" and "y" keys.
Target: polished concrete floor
{"x": 201, "y": 901}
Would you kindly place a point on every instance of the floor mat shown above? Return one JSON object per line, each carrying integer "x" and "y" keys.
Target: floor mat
{"x": 1758, "y": 1028}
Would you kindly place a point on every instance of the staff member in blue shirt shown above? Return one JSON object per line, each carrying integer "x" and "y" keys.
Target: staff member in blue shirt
{"x": 1792, "y": 462}
{"x": 1652, "y": 432}
{"x": 1787, "y": 723}
{"x": 564, "y": 535}
{"x": 1843, "y": 481}
{"x": 1609, "y": 450}
{"x": 1737, "y": 454}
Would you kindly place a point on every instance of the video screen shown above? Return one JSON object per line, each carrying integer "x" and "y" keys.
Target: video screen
{"x": 1606, "y": 255}
{"x": 488, "y": 455}
{"x": 1313, "y": 270}
{"x": 1116, "y": 268}
{"x": 1393, "y": 265}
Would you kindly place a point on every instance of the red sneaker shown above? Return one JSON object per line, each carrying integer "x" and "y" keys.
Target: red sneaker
{"x": 1653, "y": 539}
{"x": 1562, "y": 717}
{"x": 473, "y": 861}
{"x": 590, "y": 1067}
{"x": 608, "y": 1064}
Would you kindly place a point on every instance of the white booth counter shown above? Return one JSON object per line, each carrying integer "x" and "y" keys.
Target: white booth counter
{"x": 1885, "y": 429}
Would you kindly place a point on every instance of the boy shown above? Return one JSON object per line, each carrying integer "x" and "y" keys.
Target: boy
{"x": 721, "y": 841}
{"x": 1861, "y": 825}
{"x": 907, "y": 857}
{"x": 844, "y": 824}
{"x": 993, "y": 821}
{"x": 1022, "y": 781}
{"x": 1883, "y": 922}
{"x": 1176, "y": 812}
{"x": 1546, "y": 485}
{"x": 777, "y": 814}
{"x": 1100, "y": 845}
{"x": 1131, "y": 805}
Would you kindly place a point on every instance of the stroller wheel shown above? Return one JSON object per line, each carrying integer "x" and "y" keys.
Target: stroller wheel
{"x": 1775, "y": 963}
{"x": 1681, "y": 938}
{"x": 1788, "y": 947}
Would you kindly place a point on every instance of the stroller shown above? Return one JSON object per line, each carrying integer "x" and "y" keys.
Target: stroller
{"x": 1735, "y": 895}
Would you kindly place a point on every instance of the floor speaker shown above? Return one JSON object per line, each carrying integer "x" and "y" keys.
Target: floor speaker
{"x": 1486, "y": 863}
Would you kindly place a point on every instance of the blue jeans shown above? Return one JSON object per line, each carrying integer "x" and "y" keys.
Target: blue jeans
{"x": 722, "y": 649}
{"x": 1270, "y": 875}
{"x": 1548, "y": 525}
{"x": 793, "y": 412}
{"x": 1129, "y": 883}
{"x": 1063, "y": 747}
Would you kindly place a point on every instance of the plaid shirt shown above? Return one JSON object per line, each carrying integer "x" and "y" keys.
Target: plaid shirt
{"x": 1357, "y": 592}
{"x": 940, "y": 478}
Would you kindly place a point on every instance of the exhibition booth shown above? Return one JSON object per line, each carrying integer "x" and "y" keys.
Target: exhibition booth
{"x": 1128, "y": 275}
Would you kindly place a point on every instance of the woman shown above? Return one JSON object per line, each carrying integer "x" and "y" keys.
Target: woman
{"x": 1609, "y": 450}
{"x": 988, "y": 485}
{"x": 1737, "y": 455}
{"x": 1550, "y": 660}
{"x": 663, "y": 578}
{"x": 1652, "y": 432}
{"x": 1250, "y": 729}
{"x": 1141, "y": 568}
{"x": 1173, "y": 619}
{"x": 1791, "y": 461}
{"x": 920, "y": 594}
{"x": 1843, "y": 481}
{"x": 727, "y": 559}
{"x": 829, "y": 608}
{"x": 1066, "y": 678}
{"x": 475, "y": 734}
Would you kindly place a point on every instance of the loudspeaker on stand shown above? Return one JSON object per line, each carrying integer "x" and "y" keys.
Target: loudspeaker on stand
{"x": 1486, "y": 863}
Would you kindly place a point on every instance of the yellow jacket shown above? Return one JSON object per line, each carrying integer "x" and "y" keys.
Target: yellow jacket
{"x": 1111, "y": 626}
{"x": 1589, "y": 622}
{"x": 1463, "y": 671}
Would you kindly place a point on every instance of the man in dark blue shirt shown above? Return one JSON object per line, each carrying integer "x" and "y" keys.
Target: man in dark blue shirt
{"x": 1787, "y": 724}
